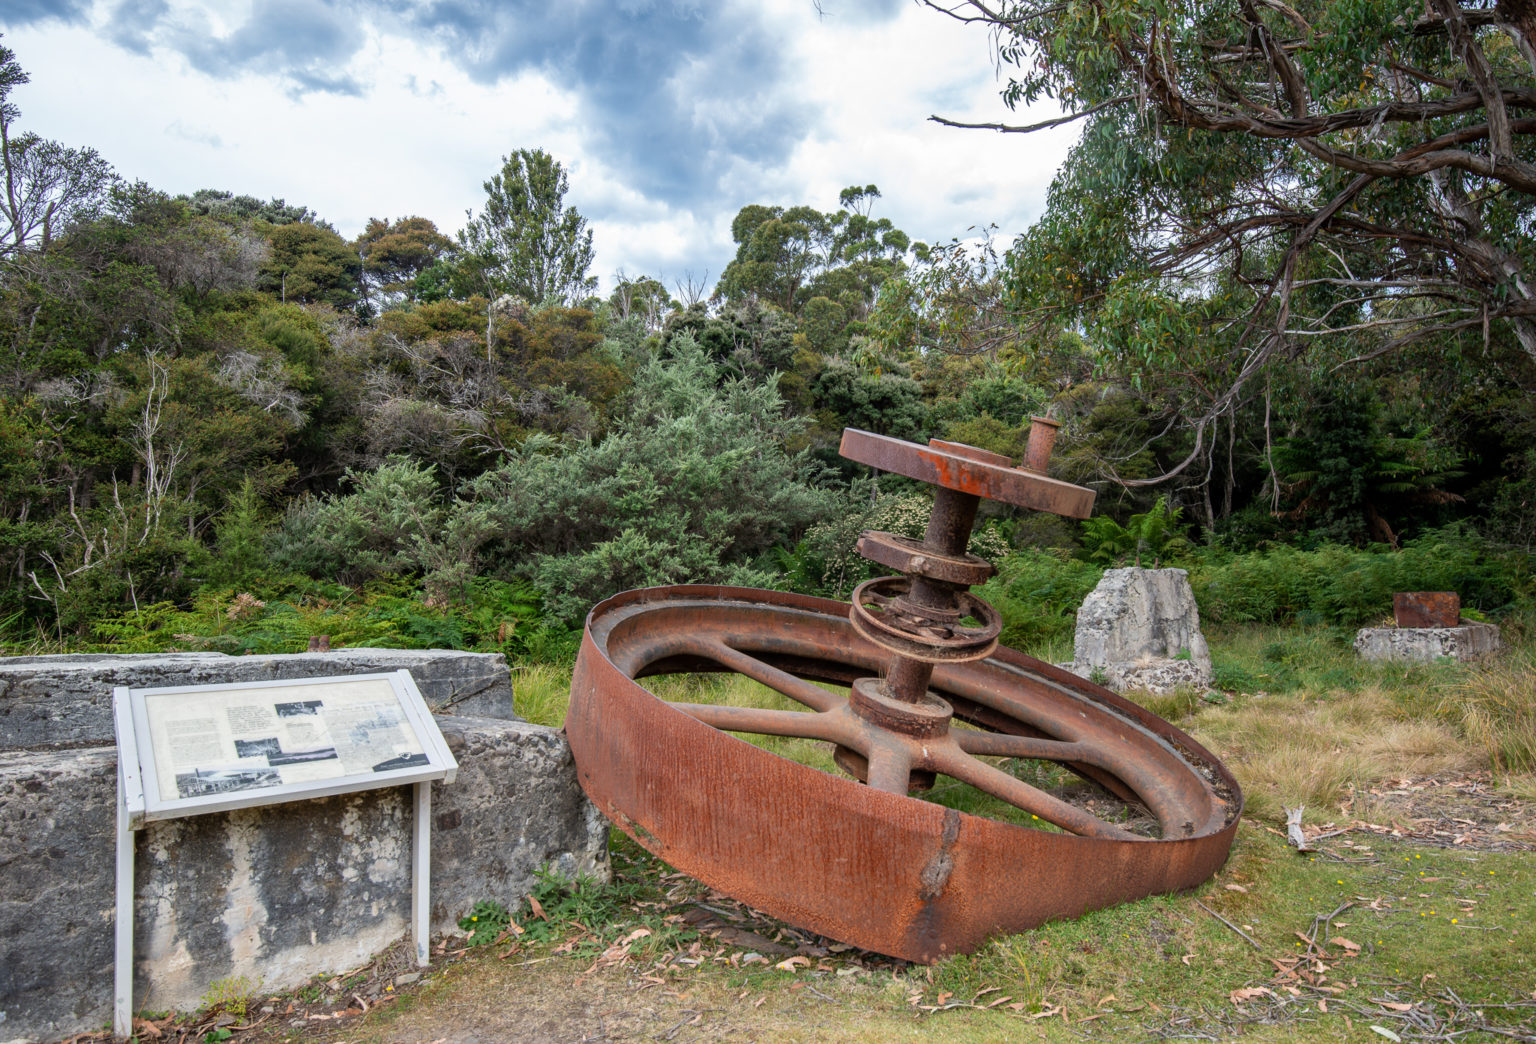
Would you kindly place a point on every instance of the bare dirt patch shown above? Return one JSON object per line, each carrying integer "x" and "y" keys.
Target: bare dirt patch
{"x": 1462, "y": 811}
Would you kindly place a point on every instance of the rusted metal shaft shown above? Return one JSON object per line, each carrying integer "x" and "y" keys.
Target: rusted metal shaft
{"x": 1042, "y": 439}
{"x": 907, "y": 679}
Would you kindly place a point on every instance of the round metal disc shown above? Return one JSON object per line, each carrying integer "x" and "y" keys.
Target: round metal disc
{"x": 982, "y": 478}
{"x": 869, "y": 864}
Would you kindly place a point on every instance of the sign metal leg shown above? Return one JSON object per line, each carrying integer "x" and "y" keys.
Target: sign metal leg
{"x": 421, "y": 873}
{"x": 122, "y": 1006}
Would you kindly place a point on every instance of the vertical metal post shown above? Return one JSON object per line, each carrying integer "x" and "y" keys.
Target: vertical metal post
{"x": 949, "y": 532}
{"x": 421, "y": 872}
{"x": 122, "y": 1006}
{"x": 1042, "y": 439}
{"x": 130, "y": 809}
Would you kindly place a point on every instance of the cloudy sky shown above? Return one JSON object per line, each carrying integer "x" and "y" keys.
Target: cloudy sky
{"x": 669, "y": 115}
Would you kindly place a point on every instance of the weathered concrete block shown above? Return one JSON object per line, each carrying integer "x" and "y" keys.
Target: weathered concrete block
{"x": 56, "y": 891}
{"x": 1141, "y": 627}
{"x": 1150, "y": 675}
{"x": 63, "y": 701}
{"x": 1427, "y": 644}
{"x": 276, "y": 893}
{"x": 515, "y": 808}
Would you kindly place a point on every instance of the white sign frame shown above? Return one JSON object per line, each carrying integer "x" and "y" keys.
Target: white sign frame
{"x": 148, "y": 759}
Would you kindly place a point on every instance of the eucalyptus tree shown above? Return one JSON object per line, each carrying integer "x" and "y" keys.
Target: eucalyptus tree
{"x": 642, "y": 297}
{"x": 47, "y": 186}
{"x": 789, "y": 256}
{"x": 527, "y": 242}
{"x": 1324, "y": 180}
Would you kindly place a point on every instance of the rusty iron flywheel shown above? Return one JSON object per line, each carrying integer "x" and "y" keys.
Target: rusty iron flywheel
{"x": 929, "y": 693}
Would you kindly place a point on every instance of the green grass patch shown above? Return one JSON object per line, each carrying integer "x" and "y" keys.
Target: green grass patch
{"x": 1383, "y": 933}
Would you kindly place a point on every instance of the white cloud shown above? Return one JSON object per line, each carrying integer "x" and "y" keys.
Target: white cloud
{"x": 423, "y": 134}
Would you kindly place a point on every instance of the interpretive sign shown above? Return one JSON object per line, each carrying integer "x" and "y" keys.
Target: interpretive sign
{"x": 195, "y": 749}
{"x": 210, "y": 748}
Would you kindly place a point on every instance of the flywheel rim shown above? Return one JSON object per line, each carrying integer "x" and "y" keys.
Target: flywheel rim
{"x": 633, "y": 749}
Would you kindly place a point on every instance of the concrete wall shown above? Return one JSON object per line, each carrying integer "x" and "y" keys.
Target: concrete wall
{"x": 275, "y": 893}
{"x": 64, "y": 701}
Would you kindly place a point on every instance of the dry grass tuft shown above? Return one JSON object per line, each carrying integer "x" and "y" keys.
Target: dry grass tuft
{"x": 1495, "y": 707}
{"x": 1297, "y": 749}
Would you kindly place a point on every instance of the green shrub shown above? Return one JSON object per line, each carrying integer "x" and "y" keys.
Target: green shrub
{"x": 1152, "y": 535}
{"x": 240, "y": 536}
{"x": 1342, "y": 585}
{"x": 281, "y": 615}
{"x": 826, "y": 562}
{"x": 694, "y": 485}
{"x": 485, "y": 922}
{"x": 1038, "y": 594}
{"x": 390, "y": 524}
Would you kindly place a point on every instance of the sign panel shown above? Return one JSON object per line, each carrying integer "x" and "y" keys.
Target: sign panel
{"x": 191, "y": 749}
{"x": 210, "y": 748}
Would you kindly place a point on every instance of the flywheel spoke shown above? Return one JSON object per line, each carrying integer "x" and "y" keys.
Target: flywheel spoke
{"x": 797, "y": 689}
{"x": 1003, "y": 745}
{"x": 832, "y": 727}
{"x": 956, "y": 763}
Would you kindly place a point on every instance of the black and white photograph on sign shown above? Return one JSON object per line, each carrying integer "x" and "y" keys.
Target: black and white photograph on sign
{"x": 298, "y": 757}
{"x": 362, "y": 723}
{"x": 299, "y": 708}
{"x": 202, "y": 782}
{"x": 257, "y": 748}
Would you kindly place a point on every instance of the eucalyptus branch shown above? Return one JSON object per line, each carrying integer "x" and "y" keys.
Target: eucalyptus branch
{"x": 1030, "y": 128}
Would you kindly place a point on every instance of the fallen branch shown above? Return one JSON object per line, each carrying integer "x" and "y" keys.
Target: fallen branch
{"x": 1230, "y": 925}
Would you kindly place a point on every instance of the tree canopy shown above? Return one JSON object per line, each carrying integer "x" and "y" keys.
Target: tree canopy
{"x": 217, "y": 395}
{"x": 790, "y": 256}
{"x": 47, "y": 185}
{"x": 1334, "y": 180}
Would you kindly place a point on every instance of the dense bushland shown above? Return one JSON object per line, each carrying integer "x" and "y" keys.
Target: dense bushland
{"x": 225, "y": 425}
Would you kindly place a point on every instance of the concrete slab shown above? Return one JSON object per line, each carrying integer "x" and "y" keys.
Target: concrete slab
{"x": 1427, "y": 644}
{"x": 66, "y": 701}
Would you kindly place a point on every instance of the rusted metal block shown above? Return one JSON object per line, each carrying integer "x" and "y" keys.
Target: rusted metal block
{"x": 1427, "y": 608}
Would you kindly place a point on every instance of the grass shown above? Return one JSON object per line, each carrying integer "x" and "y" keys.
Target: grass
{"x": 1495, "y": 707}
{"x": 1400, "y": 937}
{"x": 1307, "y": 723}
{"x": 541, "y": 692}
{"x": 1375, "y": 931}
{"x": 1166, "y": 952}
